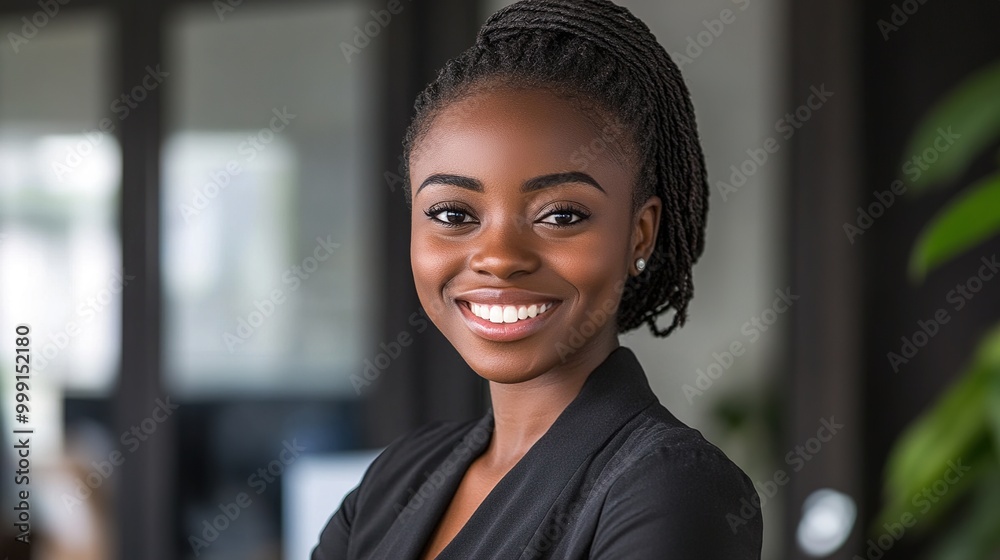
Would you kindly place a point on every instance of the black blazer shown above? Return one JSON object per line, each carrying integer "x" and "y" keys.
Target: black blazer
{"x": 616, "y": 477}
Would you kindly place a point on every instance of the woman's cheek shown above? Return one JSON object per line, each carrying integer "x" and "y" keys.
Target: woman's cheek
{"x": 432, "y": 266}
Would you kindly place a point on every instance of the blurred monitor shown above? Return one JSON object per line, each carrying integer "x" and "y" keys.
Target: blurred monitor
{"x": 314, "y": 487}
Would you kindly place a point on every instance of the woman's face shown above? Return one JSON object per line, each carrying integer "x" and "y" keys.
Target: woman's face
{"x": 520, "y": 201}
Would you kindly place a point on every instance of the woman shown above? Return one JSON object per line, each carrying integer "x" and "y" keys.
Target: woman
{"x": 558, "y": 197}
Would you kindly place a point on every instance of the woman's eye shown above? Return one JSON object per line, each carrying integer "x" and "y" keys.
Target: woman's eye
{"x": 449, "y": 217}
{"x": 564, "y": 217}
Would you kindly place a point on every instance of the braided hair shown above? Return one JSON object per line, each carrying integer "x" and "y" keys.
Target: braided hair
{"x": 597, "y": 53}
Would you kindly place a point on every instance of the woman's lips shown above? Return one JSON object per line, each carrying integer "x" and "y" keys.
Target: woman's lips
{"x": 504, "y": 332}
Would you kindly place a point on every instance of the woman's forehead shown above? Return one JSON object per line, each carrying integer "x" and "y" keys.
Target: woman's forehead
{"x": 533, "y": 129}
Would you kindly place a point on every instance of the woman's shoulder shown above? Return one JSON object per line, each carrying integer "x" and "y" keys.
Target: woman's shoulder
{"x": 657, "y": 438}
{"x": 661, "y": 447}
{"x": 694, "y": 496}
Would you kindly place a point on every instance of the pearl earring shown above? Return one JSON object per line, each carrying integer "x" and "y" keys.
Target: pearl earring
{"x": 640, "y": 263}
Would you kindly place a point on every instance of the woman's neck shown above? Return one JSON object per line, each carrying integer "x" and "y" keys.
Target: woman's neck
{"x": 523, "y": 412}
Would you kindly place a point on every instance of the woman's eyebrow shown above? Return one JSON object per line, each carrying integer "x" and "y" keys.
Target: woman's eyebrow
{"x": 531, "y": 185}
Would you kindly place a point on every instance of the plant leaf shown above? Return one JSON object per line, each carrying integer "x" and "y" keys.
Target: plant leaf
{"x": 993, "y": 394}
{"x": 947, "y": 431}
{"x": 972, "y": 110}
{"x": 958, "y": 426}
{"x": 968, "y": 219}
{"x": 928, "y": 503}
{"x": 977, "y": 535}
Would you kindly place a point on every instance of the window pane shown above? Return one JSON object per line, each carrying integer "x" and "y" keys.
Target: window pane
{"x": 264, "y": 245}
{"x": 60, "y": 174}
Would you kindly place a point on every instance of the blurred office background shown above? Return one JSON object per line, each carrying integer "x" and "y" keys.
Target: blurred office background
{"x": 200, "y": 221}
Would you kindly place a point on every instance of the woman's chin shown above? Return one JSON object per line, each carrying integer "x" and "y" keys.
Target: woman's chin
{"x": 503, "y": 367}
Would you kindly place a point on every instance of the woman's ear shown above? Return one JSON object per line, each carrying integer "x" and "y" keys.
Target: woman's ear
{"x": 646, "y": 226}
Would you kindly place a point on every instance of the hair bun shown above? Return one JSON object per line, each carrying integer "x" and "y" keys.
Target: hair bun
{"x": 601, "y": 22}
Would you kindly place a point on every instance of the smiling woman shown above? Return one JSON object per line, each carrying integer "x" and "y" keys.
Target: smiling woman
{"x": 531, "y": 261}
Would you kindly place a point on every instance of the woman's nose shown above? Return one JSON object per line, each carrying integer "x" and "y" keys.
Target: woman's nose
{"x": 505, "y": 247}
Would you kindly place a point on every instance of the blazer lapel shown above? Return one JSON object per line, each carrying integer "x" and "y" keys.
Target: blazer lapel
{"x": 408, "y": 534}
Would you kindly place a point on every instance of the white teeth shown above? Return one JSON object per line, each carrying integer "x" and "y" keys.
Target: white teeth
{"x": 508, "y": 313}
